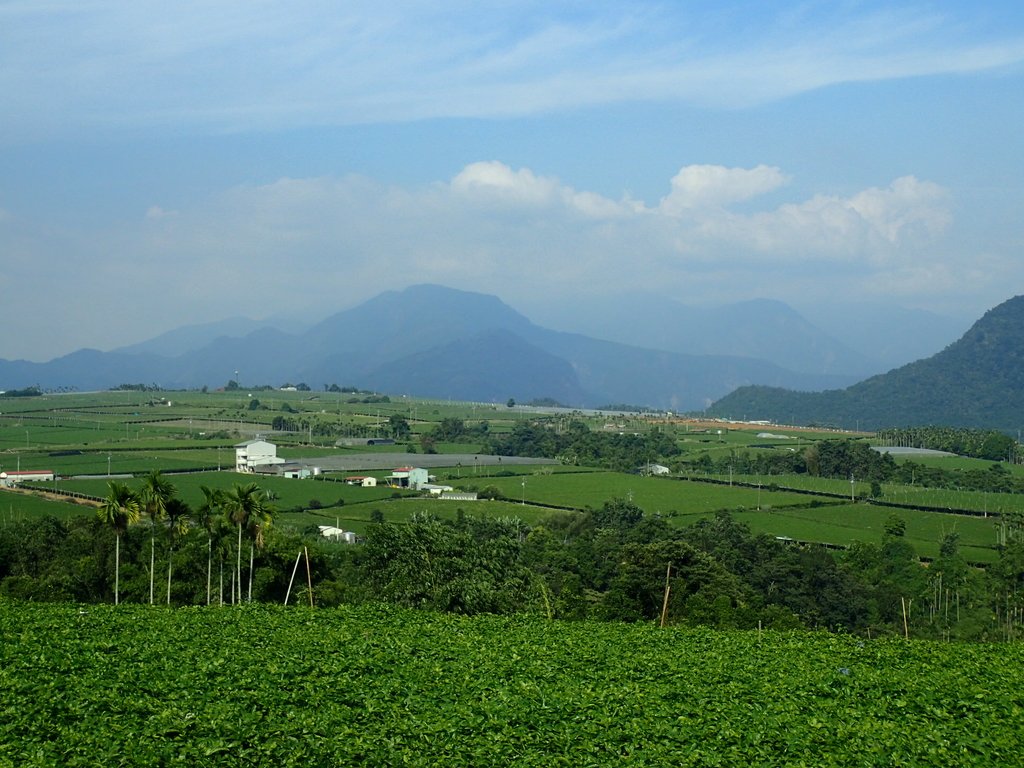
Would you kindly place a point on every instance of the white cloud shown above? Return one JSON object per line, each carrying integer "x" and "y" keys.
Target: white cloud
{"x": 906, "y": 208}
{"x": 494, "y": 183}
{"x": 877, "y": 225}
{"x": 332, "y": 241}
{"x": 710, "y": 186}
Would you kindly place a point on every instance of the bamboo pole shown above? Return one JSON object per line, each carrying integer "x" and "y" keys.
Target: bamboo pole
{"x": 209, "y": 566}
{"x": 252, "y": 561}
{"x": 668, "y": 589}
{"x": 906, "y": 627}
{"x": 292, "y": 579}
{"x": 309, "y": 577}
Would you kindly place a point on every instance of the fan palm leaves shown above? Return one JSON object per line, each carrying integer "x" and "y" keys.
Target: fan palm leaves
{"x": 178, "y": 513}
{"x": 246, "y": 507}
{"x": 119, "y": 509}
{"x": 156, "y": 492}
{"x": 208, "y": 515}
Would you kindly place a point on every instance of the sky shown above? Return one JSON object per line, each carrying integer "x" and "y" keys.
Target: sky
{"x": 164, "y": 164}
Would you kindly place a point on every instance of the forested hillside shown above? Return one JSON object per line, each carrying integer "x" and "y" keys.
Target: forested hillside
{"x": 978, "y": 382}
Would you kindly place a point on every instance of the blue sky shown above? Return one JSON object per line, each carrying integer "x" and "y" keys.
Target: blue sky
{"x": 164, "y": 164}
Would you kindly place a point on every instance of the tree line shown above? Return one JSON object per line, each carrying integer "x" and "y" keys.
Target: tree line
{"x": 575, "y": 443}
{"x": 44, "y": 560}
{"x": 988, "y": 444}
{"x": 844, "y": 459}
{"x": 614, "y": 563}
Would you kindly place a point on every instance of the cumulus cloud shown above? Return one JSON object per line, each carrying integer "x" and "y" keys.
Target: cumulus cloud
{"x": 499, "y": 182}
{"x": 906, "y": 207}
{"x": 877, "y": 225}
{"x": 495, "y": 227}
{"x": 495, "y": 183}
{"x": 329, "y": 242}
{"x": 709, "y": 186}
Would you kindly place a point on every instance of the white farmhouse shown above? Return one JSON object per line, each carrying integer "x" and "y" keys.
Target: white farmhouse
{"x": 255, "y": 453}
{"x": 8, "y": 479}
{"x": 409, "y": 477}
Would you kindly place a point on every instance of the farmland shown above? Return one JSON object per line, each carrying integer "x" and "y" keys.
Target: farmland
{"x": 98, "y": 435}
{"x": 733, "y": 522}
{"x": 383, "y": 686}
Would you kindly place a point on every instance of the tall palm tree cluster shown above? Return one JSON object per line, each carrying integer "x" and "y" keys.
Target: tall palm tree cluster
{"x": 243, "y": 506}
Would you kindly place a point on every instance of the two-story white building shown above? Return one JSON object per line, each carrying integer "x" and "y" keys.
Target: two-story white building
{"x": 254, "y": 453}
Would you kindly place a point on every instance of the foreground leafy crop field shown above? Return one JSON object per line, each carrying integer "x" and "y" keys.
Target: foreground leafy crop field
{"x": 132, "y": 685}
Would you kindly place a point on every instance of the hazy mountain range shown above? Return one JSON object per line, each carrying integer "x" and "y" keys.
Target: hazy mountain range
{"x": 859, "y": 339}
{"x": 433, "y": 341}
{"x": 978, "y": 381}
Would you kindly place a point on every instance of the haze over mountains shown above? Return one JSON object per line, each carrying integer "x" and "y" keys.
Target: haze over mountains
{"x": 433, "y": 341}
{"x": 859, "y": 339}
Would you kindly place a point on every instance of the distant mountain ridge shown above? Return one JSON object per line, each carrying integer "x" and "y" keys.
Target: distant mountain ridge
{"x": 843, "y": 337}
{"x": 978, "y": 381}
{"x": 762, "y": 329}
{"x": 426, "y": 340}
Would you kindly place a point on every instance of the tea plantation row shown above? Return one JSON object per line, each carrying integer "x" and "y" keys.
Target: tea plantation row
{"x": 375, "y": 685}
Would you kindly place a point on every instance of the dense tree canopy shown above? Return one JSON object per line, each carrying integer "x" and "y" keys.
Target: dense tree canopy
{"x": 576, "y": 443}
{"x": 615, "y": 562}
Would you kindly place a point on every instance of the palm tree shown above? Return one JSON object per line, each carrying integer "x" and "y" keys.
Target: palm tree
{"x": 208, "y": 515}
{"x": 156, "y": 491}
{"x": 120, "y": 509}
{"x": 178, "y": 513}
{"x": 246, "y": 507}
{"x": 256, "y": 531}
{"x": 155, "y": 494}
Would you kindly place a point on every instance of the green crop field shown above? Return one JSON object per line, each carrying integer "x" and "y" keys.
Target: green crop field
{"x": 846, "y": 523}
{"x": 896, "y": 493}
{"x": 134, "y": 685}
{"x": 132, "y": 433}
{"x": 653, "y": 494}
{"x": 21, "y": 506}
{"x": 356, "y": 517}
{"x": 955, "y": 499}
{"x": 781, "y": 513}
{"x": 285, "y": 493}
